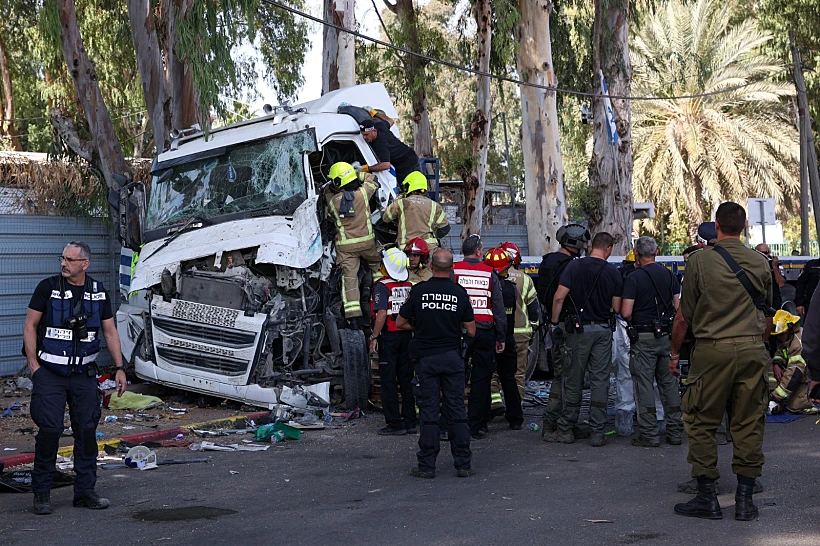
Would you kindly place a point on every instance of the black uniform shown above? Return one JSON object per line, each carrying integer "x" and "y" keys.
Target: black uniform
{"x": 437, "y": 308}
{"x": 507, "y": 362}
{"x": 806, "y": 284}
{"x": 638, "y": 284}
{"x": 56, "y": 383}
{"x": 549, "y": 273}
{"x": 392, "y": 150}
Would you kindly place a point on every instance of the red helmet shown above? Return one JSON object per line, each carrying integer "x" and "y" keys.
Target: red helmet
{"x": 418, "y": 246}
{"x": 514, "y": 252}
{"x": 498, "y": 259}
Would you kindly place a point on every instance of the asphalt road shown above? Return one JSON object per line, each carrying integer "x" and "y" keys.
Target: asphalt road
{"x": 351, "y": 487}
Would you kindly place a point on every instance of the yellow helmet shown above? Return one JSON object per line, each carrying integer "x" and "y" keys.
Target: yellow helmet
{"x": 342, "y": 173}
{"x": 783, "y": 320}
{"x": 630, "y": 258}
{"x": 415, "y": 181}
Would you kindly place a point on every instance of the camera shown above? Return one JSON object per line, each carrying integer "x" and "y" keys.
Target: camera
{"x": 78, "y": 325}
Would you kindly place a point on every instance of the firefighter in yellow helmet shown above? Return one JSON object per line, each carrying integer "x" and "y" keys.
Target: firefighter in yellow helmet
{"x": 416, "y": 214}
{"x": 791, "y": 392}
{"x": 355, "y": 241}
{"x": 628, "y": 264}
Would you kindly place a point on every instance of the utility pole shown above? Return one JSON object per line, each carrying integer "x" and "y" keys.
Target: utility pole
{"x": 808, "y": 155}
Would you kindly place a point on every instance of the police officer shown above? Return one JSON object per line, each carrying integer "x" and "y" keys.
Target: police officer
{"x": 418, "y": 254}
{"x": 507, "y": 361}
{"x": 527, "y": 313}
{"x": 650, "y": 300}
{"x": 806, "y": 284}
{"x": 484, "y": 289}
{"x": 728, "y": 362}
{"x": 388, "y": 149}
{"x": 591, "y": 289}
{"x": 65, "y": 317}
{"x": 573, "y": 239}
{"x": 437, "y": 310}
{"x": 416, "y": 214}
{"x": 355, "y": 240}
{"x": 392, "y": 344}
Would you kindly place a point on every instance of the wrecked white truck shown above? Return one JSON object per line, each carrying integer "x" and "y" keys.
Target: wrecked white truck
{"x": 235, "y": 293}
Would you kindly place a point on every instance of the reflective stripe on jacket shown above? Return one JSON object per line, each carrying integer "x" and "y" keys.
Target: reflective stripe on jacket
{"x": 416, "y": 216}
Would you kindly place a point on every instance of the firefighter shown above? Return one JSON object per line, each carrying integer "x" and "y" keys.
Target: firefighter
{"x": 484, "y": 288}
{"x": 355, "y": 240}
{"x": 792, "y": 390}
{"x": 527, "y": 313}
{"x": 392, "y": 345}
{"x": 418, "y": 254}
{"x": 417, "y": 215}
{"x": 506, "y": 361}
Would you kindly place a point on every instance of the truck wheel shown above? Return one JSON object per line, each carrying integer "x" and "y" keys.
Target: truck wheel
{"x": 356, "y": 369}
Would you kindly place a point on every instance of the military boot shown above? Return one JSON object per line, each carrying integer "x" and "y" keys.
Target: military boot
{"x": 42, "y": 504}
{"x": 704, "y": 505}
{"x": 745, "y": 509}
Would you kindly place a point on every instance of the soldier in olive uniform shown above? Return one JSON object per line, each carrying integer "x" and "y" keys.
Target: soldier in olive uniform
{"x": 728, "y": 363}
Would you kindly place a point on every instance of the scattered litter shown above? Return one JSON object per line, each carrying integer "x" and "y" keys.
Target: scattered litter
{"x": 128, "y": 427}
{"x": 9, "y": 449}
{"x": 221, "y": 432}
{"x": 533, "y": 427}
{"x": 374, "y": 491}
{"x": 300, "y": 426}
{"x": 287, "y": 480}
{"x": 132, "y": 401}
{"x": 108, "y": 385}
{"x": 111, "y": 419}
{"x": 178, "y": 411}
{"x": 233, "y": 472}
{"x": 14, "y": 407}
{"x": 599, "y": 521}
{"x": 24, "y": 383}
{"x": 119, "y": 465}
{"x": 179, "y": 436}
{"x": 100, "y": 434}
{"x": 19, "y": 481}
{"x": 141, "y": 457}
{"x": 266, "y": 432}
{"x": 26, "y": 430}
{"x": 65, "y": 463}
{"x": 210, "y": 446}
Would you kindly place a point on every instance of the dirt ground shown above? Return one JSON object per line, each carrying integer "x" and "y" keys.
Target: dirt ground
{"x": 17, "y": 432}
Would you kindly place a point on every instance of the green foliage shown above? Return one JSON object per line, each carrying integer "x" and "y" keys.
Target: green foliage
{"x": 730, "y": 145}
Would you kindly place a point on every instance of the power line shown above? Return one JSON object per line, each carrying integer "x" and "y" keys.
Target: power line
{"x": 428, "y": 58}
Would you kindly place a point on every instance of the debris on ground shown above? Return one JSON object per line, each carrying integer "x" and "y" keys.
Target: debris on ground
{"x": 131, "y": 401}
{"x": 19, "y": 481}
{"x": 211, "y": 446}
{"x": 268, "y": 432}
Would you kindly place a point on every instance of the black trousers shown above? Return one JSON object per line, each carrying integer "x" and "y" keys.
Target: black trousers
{"x": 442, "y": 375}
{"x": 49, "y": 396}
{"x": 481, "y": 355}
{"x": 507, "y": 366}
{"x": 396, "y": 373}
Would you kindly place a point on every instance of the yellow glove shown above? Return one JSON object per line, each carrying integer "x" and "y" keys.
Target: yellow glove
{"x": 365, "y": 168}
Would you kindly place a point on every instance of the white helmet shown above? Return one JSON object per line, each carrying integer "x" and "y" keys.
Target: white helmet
{"x": 395, "y": 262}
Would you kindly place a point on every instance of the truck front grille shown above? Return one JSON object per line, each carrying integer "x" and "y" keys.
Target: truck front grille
{"x": 236, "y": 339}
{"x": 207, "y": 362}
{"x": 208, "y": 314}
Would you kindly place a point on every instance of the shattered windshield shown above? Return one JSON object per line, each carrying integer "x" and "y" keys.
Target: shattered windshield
{"x": 265, "y": 175}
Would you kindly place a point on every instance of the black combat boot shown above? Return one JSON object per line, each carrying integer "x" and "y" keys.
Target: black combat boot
{"x": 745, "y": 509}
{"x": 42, "y": 504}
{"x": 704, "y": 505}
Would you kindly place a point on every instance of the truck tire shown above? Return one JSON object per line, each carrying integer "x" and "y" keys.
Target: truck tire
{"x": 356, "y": 369}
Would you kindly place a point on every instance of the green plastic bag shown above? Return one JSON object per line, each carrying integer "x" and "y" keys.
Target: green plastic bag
{"x": 132, "y": 401}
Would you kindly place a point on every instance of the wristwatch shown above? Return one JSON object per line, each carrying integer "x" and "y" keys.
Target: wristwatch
{"x": 674, "y": 357}
{"x": 372, "y": 337}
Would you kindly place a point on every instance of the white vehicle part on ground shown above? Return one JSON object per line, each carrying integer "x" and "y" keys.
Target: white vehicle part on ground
{"x": 289, "y": 241}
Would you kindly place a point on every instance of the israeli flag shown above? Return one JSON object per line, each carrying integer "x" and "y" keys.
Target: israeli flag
{"x": 612, "y": 129}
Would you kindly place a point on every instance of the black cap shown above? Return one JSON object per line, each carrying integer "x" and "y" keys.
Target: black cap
{"x": 367, "y": 125}
{"x": 707, "y": 232}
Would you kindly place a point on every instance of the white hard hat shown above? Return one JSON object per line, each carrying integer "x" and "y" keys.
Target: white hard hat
{"x": 395, "y": 262}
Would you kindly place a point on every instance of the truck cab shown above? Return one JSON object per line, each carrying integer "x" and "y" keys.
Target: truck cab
{"x": 234, "y": 293}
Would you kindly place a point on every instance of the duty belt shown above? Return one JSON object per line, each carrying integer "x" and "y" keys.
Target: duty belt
{"x": 739, "y": 339}
{"x": 649, "y": 329}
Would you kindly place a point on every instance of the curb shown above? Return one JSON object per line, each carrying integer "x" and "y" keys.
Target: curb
{"x": 153, "y": 436}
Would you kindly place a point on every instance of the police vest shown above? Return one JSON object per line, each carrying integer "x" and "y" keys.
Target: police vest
{"x": 477, "y": 280}
{"x": 59, "y": 348}
{"x": 397, "y": 295}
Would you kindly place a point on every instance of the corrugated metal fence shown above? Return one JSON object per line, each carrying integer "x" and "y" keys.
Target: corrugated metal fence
{"x": 491, "y": 236}
{"x": 29, "y": 249}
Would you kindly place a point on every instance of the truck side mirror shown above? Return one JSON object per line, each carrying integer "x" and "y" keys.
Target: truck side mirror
{"x": 132, "y": 215}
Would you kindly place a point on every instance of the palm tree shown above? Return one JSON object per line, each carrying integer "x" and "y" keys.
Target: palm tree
{"x": 737, "y": 142}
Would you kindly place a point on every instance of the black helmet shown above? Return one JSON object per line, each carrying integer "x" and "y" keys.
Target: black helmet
{"x": 573, "y": 235}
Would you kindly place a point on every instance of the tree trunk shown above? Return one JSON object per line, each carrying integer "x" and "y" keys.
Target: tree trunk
{"x": 185, "y": 107}
{"x": 107, "y": 152}
{"x": 8, "y": 113}
{"x": 610, "y": 54}
{"x": 415, "y": 76}
{"x": 480, "y": 126}
{"x": 152, "y": 75}
{"x": 694, "y": 211}
{"x": 338, "y": 61}
{"x": 543, "y": 166}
